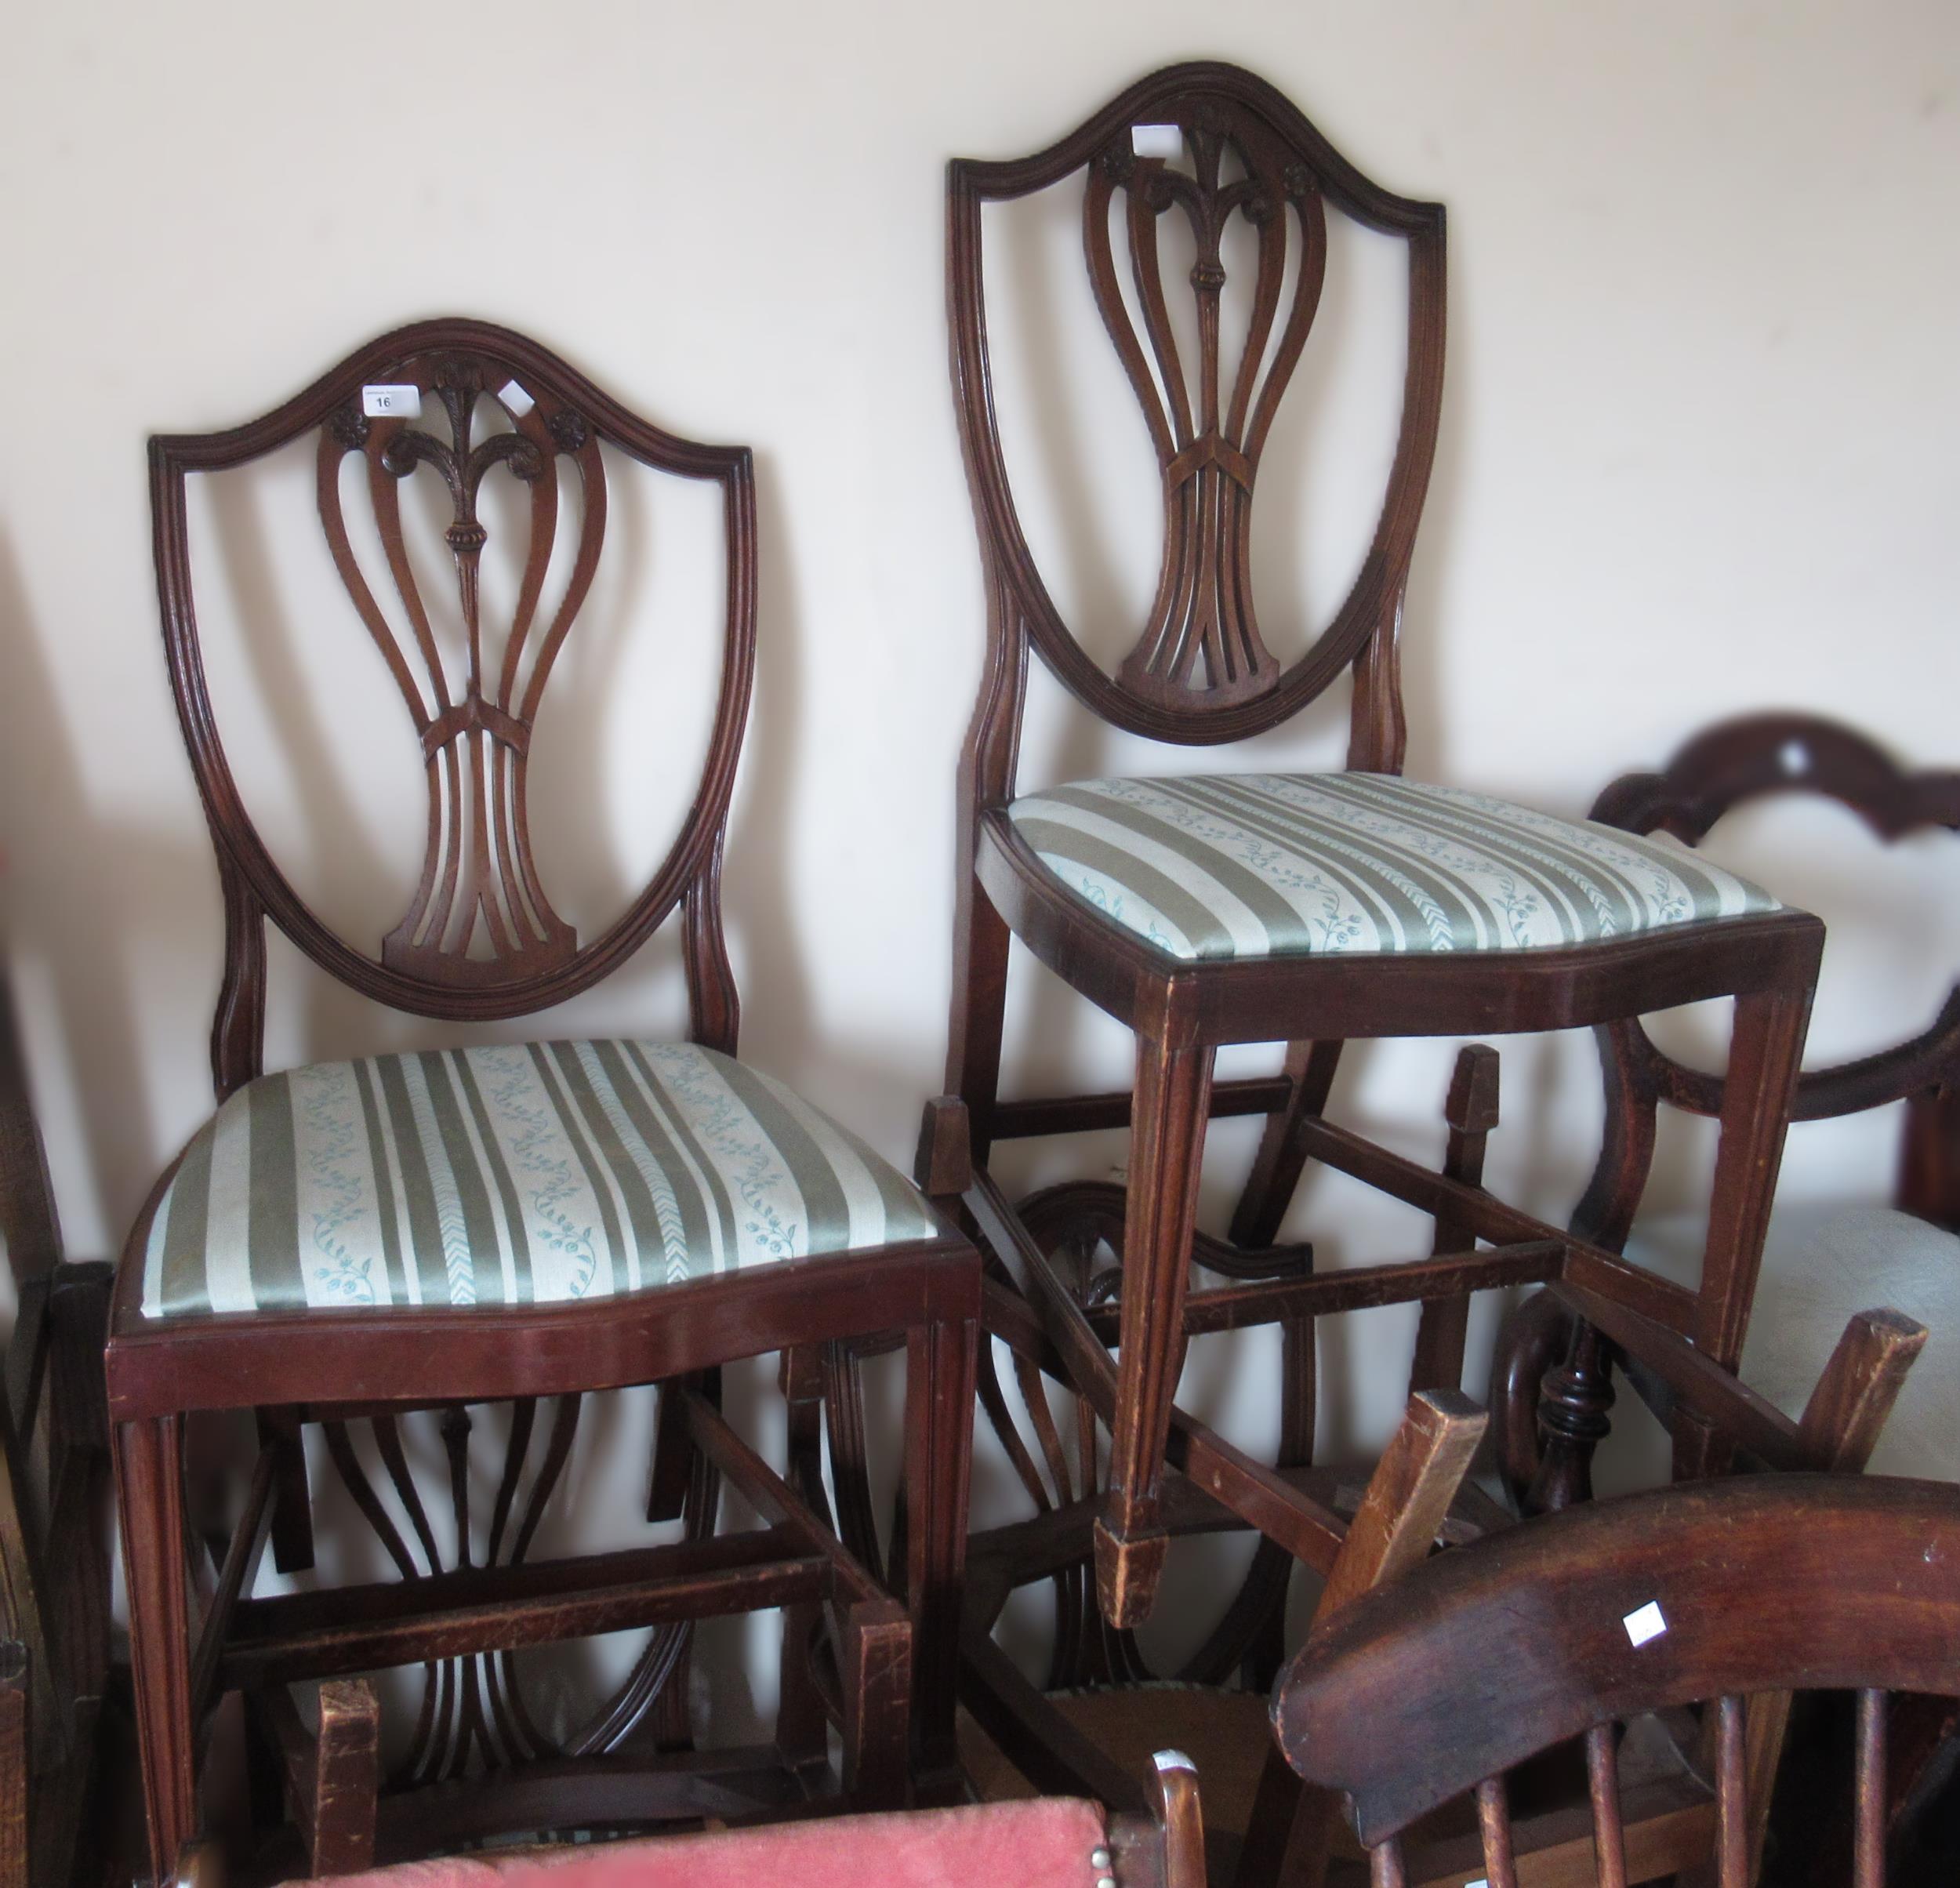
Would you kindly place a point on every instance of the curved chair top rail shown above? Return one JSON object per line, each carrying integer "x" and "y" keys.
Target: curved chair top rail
{"x": 1749, "y": 758}
{"x": 1199, "y": 672}
{"x": 1493, "y": 1652}
{"x": 493, "y": 403}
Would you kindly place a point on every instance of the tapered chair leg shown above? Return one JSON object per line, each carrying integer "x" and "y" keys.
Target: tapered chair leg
{"x": 150, "y": 1486}
{"x": 1282, "y": 1157}
{"x": 877, "y": 1669}
{"x": 1765, "y": 1048}
{"x": 941, "y": 1365}
{"x": 1172, "y": 1098}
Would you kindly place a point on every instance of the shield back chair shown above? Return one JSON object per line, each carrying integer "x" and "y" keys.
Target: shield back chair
{"x": 518, "y": 1223}
{"x": 54, "y": 1515}
{"x": 1822, "y": 1259}
{"x": 1570, "y": 1625}
{"x": 1306, "y": 908}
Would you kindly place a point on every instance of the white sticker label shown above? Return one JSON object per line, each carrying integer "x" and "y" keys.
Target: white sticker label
{"x": 1645, "y": 1623}
{"x": 1157, "y": 140}
{"x": 391, "y": 402}
{"x": 516, "y": 398}
{"x": 1479, "y": 1883}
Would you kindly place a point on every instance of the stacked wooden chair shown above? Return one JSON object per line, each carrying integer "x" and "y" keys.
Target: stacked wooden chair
{"x": 1068, "y": 1738}
{"x": 54, "y": 1518}
{"x": 1573, "y": 1625}
{"x": 1824, "y": 1259}
{"x": 344, "y": 1244}
{"x": 1310, "y": 909}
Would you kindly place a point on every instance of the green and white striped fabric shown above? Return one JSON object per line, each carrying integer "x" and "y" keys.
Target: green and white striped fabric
{"x": 1223, "y": 865}
{"x": 529, "y": 1175}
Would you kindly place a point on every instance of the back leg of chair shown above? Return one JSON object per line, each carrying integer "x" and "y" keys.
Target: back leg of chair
{"x": 980, "y": 940}
{"x": 1282, "y": 1157}
{"x": 1407, "y": 1498}
{"x": 292, "y": 1506}
{"x": 1472, "y": 1112}
{"x": 1766, "y": 1045}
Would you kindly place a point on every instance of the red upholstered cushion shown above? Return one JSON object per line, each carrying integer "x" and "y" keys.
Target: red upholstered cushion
{"x": 1042, "y": 1844}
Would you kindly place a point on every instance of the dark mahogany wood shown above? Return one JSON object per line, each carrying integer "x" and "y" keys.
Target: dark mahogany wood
{"x": 1485, "y": 1657}
{"x": 480, "y": 939}
{"x": 1727, "y": 766}
{"x": 54, "y": 1513}
{"x": 1200, "y": 673}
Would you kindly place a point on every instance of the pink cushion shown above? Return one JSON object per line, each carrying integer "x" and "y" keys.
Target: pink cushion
{"x": 1045, "y": 1843}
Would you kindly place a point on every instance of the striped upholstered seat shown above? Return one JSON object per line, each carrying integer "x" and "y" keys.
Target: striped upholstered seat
{"x": 499, "y": 1176}
{"x": 1224, "y": 865}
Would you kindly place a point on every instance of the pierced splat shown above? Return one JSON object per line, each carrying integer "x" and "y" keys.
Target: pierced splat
{"x": 479, "y": 884}
{"x": 1209, "y": 450}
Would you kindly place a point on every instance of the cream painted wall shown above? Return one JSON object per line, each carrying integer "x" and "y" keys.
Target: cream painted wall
{"x": 1697, "y": 458}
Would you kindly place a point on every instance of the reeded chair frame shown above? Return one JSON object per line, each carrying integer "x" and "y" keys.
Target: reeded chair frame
{"x": 890, "y": 1686}
{"x": 1199, "y": 676}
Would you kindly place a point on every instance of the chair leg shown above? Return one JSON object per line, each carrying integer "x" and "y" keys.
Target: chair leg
{"x": 1172, "y": 1098}
{"x": 940, "y": 1364}
{"x": 981, "y": 938}
{"x": 149, "y": 1494}
{"x": 878, "y": 1667}
{"x": 802, "y": 1728}
{"x": 1764, "y": 1048}
{"x": 292, "y": 1506}
{"x": 17, "y": 1761}
{"x": 1282, "y": 1157}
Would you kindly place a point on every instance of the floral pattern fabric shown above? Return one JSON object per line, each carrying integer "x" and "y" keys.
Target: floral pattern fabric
{"x": 1226, "y": 865}
{"x": 532, "y": 1174}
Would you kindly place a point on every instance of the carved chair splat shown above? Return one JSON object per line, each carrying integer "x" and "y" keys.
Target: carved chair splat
{"x": 1156, "y": 899}
{"x": 469, "y": 1165}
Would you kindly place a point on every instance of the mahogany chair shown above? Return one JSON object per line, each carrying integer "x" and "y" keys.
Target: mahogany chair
{"x": 1308, "y": 909}
{"x": 1822, "y": 1260}
{"x": 54, "y": 1515}
{"x": 1569, "y": 1626}
{"x": 1075, "y": 1732}
{"x": 459, "y": 1227}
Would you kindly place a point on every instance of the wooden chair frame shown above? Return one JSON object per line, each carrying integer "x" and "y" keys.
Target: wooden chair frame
{"x": 54, "y": 1529}
{"x": 1418, "y": 1495}
{"x": 1550, "y": 1397}
{"x": 1491, "y": 1655}
{"x": 894, "y": 1692}
{"x": 1180, "y": 1012}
